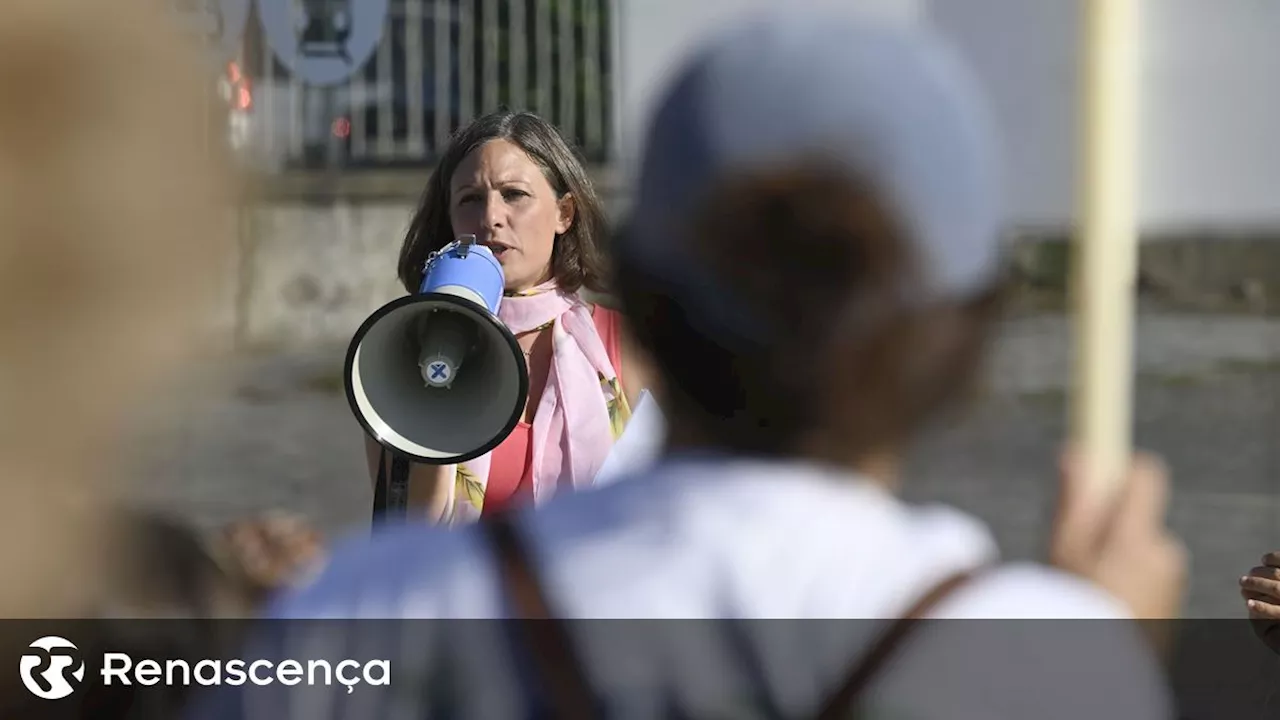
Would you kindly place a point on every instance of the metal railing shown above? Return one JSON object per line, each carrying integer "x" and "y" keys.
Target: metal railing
{"x": 439, "y": 64}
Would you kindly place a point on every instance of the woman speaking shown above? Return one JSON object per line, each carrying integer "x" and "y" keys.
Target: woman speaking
{"x": 511, "y": 180}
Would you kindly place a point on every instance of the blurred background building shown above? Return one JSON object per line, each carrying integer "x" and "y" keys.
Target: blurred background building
{"x": 341, "y": 163}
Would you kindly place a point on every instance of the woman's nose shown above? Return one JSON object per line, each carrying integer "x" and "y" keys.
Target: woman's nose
{"x": 493, "y": 216}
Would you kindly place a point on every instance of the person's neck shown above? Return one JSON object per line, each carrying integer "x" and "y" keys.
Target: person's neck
{"x": 527, "y": 286}
{"x": 882, "y": 469}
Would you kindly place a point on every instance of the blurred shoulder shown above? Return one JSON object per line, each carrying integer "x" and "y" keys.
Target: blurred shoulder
{"x": 412, "y": 570}
{"x": 1027, "y": 640}
{"x": 1032, "y": 591}
{"x": 606, "y": 317}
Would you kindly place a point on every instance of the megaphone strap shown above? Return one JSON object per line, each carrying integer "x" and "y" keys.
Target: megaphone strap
{"x": 391, "y": 491}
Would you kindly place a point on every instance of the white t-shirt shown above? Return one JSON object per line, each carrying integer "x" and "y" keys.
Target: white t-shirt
{"x": 653, "y": 568}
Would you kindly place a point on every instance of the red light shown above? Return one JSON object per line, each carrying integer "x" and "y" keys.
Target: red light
{"x": 341, "y": 128}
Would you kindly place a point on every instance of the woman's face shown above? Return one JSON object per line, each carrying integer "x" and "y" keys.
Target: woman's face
{"x": 498, "y": 194}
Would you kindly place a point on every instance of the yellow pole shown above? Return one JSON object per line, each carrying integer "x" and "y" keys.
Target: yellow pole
{"x": 1105, "y": 263}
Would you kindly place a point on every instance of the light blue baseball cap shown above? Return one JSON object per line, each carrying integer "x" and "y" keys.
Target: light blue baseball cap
{"x": 889, "y": 101}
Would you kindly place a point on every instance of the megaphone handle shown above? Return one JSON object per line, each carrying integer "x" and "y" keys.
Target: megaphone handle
{"x": 380, "y": 488}
{"x": 390, "y": 494}
{"x": 462, "y": 244}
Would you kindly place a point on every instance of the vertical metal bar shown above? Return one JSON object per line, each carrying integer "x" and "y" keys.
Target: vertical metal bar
{"x": 593, "y": 113}
{"x": 385, "y": 78}
{"x": 265, "y": 100}
{"x": 542, "y": 43}
{"x": 331, "y": 98}
{"x": 415, "y": 57}
{"x": 1106, "y": 261}
{"x": 567, "y": 117}
{"x": 297, "y": 110}
{"x": 357, "y": 102}
{"x": 616, "y": 150}
{"x": 517, "y": 57}
{"x": 444, "y": 63}
{"x": 489, "y": 57}
{"x": 466, "y": 59}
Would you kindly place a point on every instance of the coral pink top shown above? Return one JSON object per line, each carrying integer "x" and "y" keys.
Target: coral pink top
{"x": 511, "y": 464}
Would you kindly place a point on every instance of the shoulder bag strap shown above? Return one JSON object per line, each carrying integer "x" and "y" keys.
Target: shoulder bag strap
{"x": 843, "y": 701}
{"x": 561, "y": 670}
{"x": 557, "y": 664}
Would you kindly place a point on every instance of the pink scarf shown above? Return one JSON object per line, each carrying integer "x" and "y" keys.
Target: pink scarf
{"x": 572, "y": 430}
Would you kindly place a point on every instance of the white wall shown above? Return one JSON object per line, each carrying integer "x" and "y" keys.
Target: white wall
{"x": 1211, "y": 105}
{"x": 1213, "y": 111}
{"x": 1023, "y": 50}
{"x": 1210, "y": 146}
{"x": 653, "y": 36}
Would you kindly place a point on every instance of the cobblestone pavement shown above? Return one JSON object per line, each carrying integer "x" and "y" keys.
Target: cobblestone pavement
{"x": 275, "y": 432}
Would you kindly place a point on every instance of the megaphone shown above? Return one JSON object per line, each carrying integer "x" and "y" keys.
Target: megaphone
{"x": 435, "y": 377}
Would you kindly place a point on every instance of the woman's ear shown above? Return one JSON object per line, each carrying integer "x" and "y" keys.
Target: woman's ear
{"x": 568, "y": 210}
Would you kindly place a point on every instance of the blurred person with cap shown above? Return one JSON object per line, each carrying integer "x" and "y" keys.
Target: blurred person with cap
{"x": 813, "y": 265}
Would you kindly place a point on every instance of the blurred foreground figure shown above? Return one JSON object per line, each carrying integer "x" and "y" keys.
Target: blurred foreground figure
{"x": 114, "y": 232}
{"x": 113, "y": 238}
{"x": 813, "y": 266}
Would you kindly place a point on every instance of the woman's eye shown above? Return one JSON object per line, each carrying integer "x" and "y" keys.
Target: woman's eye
{"x": 513, "y": 195}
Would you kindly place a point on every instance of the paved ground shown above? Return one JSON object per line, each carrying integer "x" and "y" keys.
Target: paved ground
{"x": 275, "y": 431}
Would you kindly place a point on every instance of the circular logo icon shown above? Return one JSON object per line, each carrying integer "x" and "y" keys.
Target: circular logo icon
{"x": 48, "y": 673}
{"x": 439, "y": 373}
{"x": 323, "y": 42}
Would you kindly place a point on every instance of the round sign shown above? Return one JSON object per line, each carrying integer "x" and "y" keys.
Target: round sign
{"x": 323, "y": 42}
{"x": 219, "y": 24}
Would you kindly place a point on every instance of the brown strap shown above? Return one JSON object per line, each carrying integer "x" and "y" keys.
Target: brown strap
{"x": 558, "y": 666}
{"x": 561, "y": 671}
{"x": 841, "y": 703}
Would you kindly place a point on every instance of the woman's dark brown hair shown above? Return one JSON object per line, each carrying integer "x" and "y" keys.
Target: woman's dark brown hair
{"x": 826, "y": 274}
{"x": 576, "y": 259}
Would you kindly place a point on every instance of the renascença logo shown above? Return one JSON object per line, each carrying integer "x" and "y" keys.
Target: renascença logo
{"x": 55, "y": 658}
{"x": 46, "y": 673}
